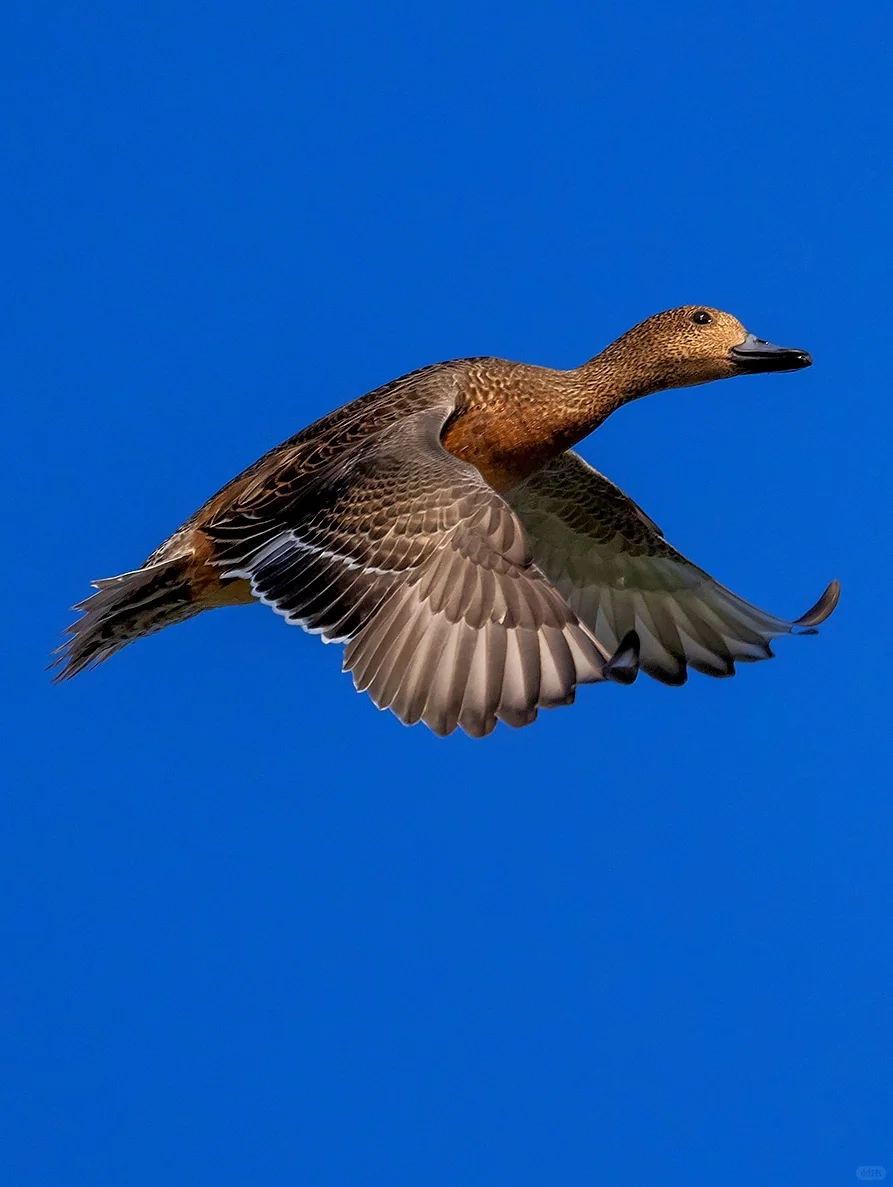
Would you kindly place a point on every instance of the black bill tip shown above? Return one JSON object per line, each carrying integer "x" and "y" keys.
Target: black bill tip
{"x": 754, "y": 355}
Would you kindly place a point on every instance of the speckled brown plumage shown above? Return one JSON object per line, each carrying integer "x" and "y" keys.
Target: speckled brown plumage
{"x": 474, "y": 568}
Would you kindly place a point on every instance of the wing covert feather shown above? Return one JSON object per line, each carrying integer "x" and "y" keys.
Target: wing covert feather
{"x": 405, "y": 554}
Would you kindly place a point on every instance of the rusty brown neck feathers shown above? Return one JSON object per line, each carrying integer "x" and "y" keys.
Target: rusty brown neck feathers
{"x": 517, "y": 417}
{"x": 619, "y": 374}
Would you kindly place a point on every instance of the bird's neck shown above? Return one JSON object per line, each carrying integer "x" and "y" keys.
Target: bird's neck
{"x": 601, "y": 386}
{"x": 515, "y": 422}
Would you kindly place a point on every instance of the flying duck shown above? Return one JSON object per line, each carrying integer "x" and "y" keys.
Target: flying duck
{"x": 476, "y": 569}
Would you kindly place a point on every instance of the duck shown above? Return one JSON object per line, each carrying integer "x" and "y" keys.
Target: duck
{"x": 441, "y": 527}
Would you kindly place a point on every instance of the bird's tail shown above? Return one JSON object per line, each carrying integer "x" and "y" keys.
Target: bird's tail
{"x": 125, "y": 608}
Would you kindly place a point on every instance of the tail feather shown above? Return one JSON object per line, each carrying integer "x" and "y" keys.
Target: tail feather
{"x": 125, "y": 608}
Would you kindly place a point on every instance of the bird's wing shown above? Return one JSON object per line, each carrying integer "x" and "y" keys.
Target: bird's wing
{"x": 618, "y": 573}
{"x": 404, "y": 553}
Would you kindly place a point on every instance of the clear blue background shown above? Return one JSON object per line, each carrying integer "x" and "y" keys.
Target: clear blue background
{"x": 255, "y": 932}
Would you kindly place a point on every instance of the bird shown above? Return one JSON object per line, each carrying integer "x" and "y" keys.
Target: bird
{"x": 441, "y": 527}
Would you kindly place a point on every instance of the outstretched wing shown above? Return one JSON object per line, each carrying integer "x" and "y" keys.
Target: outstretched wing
{"x": 404, "y": 553}
{"x": 619, "y": 574}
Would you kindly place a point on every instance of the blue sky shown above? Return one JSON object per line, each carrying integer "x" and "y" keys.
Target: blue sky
{"x": 255, "y": 931}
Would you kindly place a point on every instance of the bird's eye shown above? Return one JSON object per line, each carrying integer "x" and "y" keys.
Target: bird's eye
{"x": 701, "y": 318}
